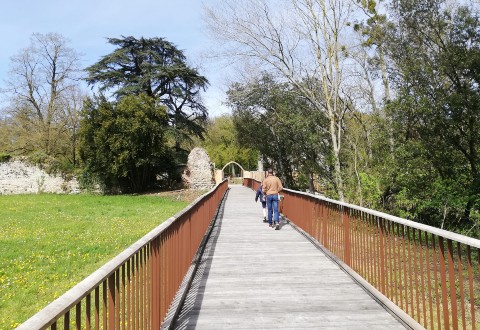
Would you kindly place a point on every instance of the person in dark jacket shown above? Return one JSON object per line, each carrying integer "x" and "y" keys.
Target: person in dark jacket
{"x": 258, "y": 196}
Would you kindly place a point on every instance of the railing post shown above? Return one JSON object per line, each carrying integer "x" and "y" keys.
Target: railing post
{"x": 66, "y": 321}
{"x": 453, "y": 293}
{"x": 88, "y": 321}
{"x": 154, "y": 278}
{"x": 381, "y": 256}
{"x": 325, "y": 209}
{"x": 111, "y": 301}
{"x": 347, "y": 239}
{"x": 443, "y": 278}
{"x": 470, "y": 282}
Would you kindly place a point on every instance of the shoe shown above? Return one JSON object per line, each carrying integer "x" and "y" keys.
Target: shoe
{"x": 265, "y": 220}
{"x": 277, "y": 227}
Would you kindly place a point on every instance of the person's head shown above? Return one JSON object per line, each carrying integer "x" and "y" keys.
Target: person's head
{"x": 270, "y": 171}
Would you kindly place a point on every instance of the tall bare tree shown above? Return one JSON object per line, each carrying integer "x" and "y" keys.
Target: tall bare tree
{"x": 304, "y": 41}
{"x": 41, "y": 78}
{"x": 72, "y": 103}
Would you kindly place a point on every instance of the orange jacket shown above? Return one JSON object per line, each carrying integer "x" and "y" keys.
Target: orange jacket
{"x": 271, "y": 185}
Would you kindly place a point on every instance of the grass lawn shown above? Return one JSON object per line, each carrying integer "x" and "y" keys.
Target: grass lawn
{"x": 48, "y": 243}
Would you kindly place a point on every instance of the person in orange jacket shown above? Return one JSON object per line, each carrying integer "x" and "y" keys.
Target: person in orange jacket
{"x": 271, "y": 188}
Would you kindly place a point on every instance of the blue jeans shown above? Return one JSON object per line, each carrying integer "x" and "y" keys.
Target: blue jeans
{"x": 272, "y": 207}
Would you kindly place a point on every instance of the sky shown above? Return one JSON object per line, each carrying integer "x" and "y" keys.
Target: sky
{"x": 87, "y": 24}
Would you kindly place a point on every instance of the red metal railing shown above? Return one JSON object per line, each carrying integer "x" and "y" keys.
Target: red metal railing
{"x": 431, "y": 274}
{"x": 134, "y": 290}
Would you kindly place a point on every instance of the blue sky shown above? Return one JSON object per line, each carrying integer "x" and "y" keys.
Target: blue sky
{"x": 87, "y": 24}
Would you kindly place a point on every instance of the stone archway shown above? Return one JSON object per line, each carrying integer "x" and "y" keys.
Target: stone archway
{"x": 233, "y": 162}
{"x": 220, "y": 173}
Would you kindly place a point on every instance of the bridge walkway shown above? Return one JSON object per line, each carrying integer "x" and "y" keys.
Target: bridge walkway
{"x": 254, "y": 277}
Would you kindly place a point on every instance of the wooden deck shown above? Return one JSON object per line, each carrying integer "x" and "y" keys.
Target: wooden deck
{"x": 255, "y": 277}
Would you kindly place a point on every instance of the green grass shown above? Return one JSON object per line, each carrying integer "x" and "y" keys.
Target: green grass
{"x": 49, "y": 243}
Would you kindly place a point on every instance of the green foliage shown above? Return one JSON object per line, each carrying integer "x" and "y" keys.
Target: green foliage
{"x": 22, "y": 137}
{"x": 59, "y": 165}
{"x": 123, "y": 143}
{"x": 5, "y": 135}
{"x": 4, "y": 157}
{"x": 48, "y": 243}
{"x": 289, "y": 134}
{"x": 418, "y": 156}
{"x": 158, "y": 69}
{"x": 223, "y": 145}
{"x": 437, "y": 113}
{"x": 371, "y": 190}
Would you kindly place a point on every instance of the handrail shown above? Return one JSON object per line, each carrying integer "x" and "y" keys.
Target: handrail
{"x": 137, "y": 286}
{"x": 433, "y": 275}
{"x": 433, "y": 230}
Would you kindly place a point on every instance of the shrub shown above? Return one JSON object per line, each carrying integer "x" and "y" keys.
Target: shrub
{"x": 4, "y": 157}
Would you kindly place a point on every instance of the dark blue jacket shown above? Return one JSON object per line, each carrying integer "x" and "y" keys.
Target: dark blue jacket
{"x": 259, "y": 194}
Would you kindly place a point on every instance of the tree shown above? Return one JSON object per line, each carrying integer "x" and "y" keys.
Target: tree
{"x": 40, "y": 82}
{"x": 6, "y": 134}
{"x": 72, "y": 106}
{"x": 158, "y": 69}
{"x": 272, "y": 118}
{"x": 223, "y": 144}
{"x": 123, "y": 143}
{"x": 306, "y": 44}
{"x": 438, "y": 106}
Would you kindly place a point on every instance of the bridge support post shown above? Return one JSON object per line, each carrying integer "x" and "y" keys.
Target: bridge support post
{"x": 347, "y": 237}
{"x": 325, "y": 211}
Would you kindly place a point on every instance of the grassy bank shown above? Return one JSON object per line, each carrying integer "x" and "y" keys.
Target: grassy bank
{"x": 48, "y": 243}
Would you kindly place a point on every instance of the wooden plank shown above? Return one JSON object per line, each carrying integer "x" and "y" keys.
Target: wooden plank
{"x": 255, "y": 277}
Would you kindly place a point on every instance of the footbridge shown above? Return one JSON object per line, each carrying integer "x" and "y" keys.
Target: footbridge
{"x": 332, "y": 265}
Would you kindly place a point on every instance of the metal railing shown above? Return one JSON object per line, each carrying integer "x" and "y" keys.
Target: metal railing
{"x": 433, "y": 275}
{"x": 134, "y": 290}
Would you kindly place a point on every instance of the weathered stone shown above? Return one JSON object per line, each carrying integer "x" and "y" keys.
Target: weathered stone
{"x": 199, "y": 170}
{"x": 17, "y": 177}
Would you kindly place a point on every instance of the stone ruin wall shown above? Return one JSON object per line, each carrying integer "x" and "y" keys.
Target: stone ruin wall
{"x": 199, "y": 170}
{"x": 17, "y": 177}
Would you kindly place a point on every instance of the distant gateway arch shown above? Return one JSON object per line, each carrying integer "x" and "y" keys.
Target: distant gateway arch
{"x": 233, "y": 162}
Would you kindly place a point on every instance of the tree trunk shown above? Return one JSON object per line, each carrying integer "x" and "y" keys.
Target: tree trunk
{"x": 311, "y": 186}
{"x": 465, "y": 220}
{"x": 386, "y": 87}
{"x": 335, "y": 135}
